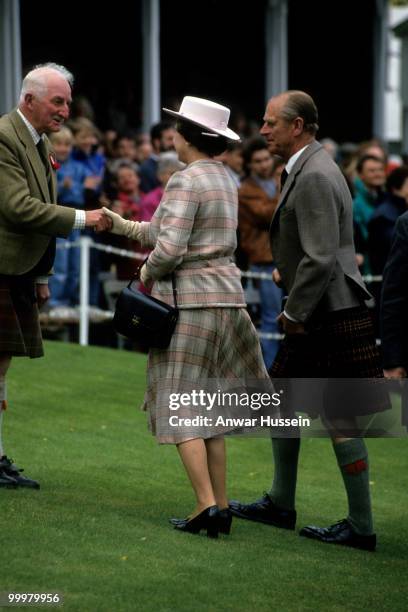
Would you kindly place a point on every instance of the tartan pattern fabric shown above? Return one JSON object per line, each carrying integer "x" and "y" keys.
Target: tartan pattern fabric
{"x": 341, "y": 347}
{"x": 20, "y": 332}
{"x": 193, "y": 231}
{"x": 212, "y": 343}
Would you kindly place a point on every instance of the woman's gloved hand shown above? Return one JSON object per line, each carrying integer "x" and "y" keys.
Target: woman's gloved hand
{"x": 130, "y": 229}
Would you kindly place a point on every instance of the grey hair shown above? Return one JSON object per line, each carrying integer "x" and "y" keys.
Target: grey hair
{"x": 300, "y": 104}
{"x": 34, "y": 81}
{"x": 169, "y": 161}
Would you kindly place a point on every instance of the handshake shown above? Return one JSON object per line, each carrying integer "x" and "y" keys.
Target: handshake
{"x": 104, "y": 219}
{"x": 98, "y": 219}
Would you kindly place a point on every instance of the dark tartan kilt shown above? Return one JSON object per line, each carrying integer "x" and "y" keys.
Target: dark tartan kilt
{"x": 20, "y": 332}
{"x": 340, "y": 348}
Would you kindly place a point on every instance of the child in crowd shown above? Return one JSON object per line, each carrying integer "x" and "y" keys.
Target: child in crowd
{"x": 85, "y": 152}
{"x": 72, "y": 178}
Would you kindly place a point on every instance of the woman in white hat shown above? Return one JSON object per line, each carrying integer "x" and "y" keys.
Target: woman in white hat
{"x": 193, "y": 233}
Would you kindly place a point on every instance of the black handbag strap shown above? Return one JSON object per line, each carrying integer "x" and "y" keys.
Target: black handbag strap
{"x": 136, "y": 276}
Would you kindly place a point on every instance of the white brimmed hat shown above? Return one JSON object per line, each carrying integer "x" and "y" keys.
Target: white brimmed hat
{"x": 209, "y": 115}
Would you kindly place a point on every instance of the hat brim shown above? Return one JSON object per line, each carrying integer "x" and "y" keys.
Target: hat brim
{"x": 227, "y": 133}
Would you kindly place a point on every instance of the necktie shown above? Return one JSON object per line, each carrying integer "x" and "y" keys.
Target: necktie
{"x": 46, "y": 262}
{"x": 42, "y": 151}
{"x": 284, "y": 176}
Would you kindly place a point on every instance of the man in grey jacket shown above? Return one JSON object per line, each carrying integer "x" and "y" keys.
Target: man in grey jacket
{"x": 328, "y": 332}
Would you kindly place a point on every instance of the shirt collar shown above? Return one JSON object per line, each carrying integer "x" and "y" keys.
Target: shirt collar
{"x": 34, "y": 134}
{"x": 292, "y": 160}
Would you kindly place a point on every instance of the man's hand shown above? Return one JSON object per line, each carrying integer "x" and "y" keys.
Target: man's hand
{"x": 276, "y": 277}
{"x": 43, "y": 293}
{"x": 395, "y": 373}
{"x": 98, "y": 219}
{"x": 290, "y": 327}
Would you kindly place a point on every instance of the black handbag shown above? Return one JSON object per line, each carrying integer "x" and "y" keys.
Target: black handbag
{"x": 143, "y": 318}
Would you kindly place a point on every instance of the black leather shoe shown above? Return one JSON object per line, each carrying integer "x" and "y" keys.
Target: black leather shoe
{"x": 224, "y": 521}
{"x": 12, "y": 471}
{"x": 207, "y": 519}
{"x": 7, "y": 481}
{"x": 340, "y": 533}
{"x": 264, "y": 510}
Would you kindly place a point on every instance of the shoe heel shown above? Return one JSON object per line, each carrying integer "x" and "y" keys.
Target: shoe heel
{"x": 212, "y": 530}
{"x": 207, "y": 519}
{"x": 224, "y": 521}
{"x": 213, "y": 522}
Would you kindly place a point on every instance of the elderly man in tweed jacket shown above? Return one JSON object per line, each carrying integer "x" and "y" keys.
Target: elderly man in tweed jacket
{"x": 29, "y": 222}
{"x": 328, "y": 330}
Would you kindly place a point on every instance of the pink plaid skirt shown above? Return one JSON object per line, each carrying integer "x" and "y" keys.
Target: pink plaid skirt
{"x": 208, "y": 344}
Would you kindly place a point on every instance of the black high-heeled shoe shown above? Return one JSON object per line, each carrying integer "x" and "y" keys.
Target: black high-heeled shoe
{"x": 207, "y": 519}
{"x": 225, "y": 520}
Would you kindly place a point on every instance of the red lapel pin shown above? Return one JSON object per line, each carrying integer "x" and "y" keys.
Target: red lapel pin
{"x": 55, "y": 165}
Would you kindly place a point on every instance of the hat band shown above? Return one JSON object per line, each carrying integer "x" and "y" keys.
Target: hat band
{"x": 222, "y": 125}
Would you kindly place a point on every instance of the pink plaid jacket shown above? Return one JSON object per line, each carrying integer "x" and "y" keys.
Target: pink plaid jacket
{"x": 193, "y": 233}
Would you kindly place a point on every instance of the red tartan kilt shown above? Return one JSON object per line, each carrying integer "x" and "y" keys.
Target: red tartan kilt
{"x": 20, "y": 332}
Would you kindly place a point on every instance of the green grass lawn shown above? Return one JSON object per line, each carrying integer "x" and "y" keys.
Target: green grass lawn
{"x": 97, "y": 530}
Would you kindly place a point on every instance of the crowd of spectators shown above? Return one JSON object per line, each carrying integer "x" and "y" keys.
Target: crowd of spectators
{"x": 128, "y": 172}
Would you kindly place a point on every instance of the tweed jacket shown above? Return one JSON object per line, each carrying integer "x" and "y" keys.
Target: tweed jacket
{"x": 28, "y": 215}
{"x": 255, "y": 212}
{"x": 193, "y": 233}
{"x": 312, "y": 238}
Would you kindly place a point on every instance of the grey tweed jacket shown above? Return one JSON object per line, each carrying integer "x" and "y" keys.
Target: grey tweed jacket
{"x": 312, "y": 238}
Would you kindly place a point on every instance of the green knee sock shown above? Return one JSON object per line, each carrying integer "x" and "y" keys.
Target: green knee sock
{"x": 285, "y": 454}
{"x": 352, "y": 458}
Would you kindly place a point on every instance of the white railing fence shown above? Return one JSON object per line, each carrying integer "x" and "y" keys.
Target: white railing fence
{"x": 85, "y": 244}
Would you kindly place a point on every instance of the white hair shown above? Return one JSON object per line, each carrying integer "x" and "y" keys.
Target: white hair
{"x": 169, "y": 162}
{"x": 35, "y": 81}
